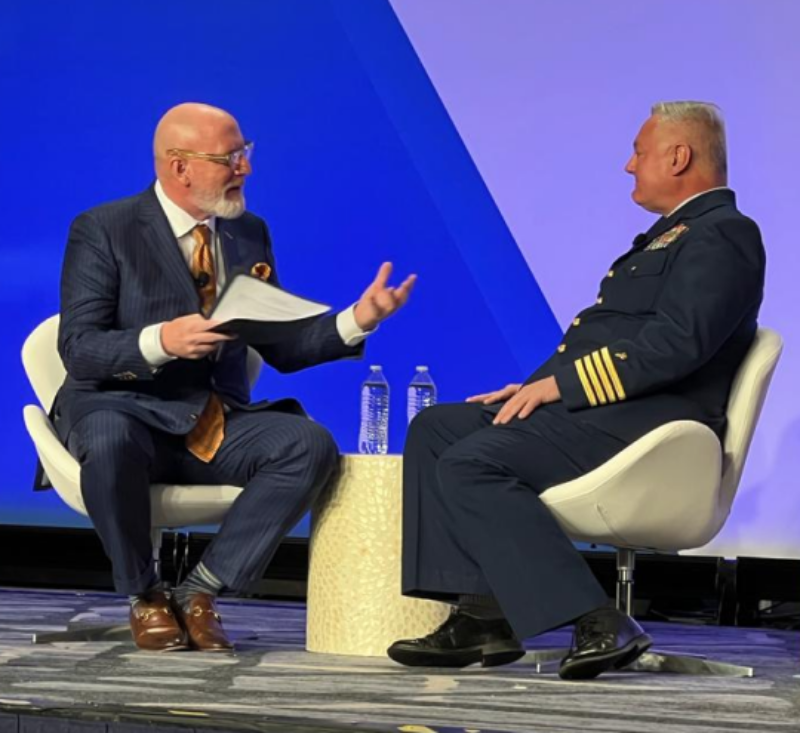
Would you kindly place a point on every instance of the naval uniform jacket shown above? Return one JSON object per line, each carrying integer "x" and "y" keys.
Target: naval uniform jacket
{"x": 673, "y": 320}
{"x": 123, "y": 270}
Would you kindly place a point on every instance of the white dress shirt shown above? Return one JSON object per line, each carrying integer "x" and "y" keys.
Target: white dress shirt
{"x": 182, "y": 225}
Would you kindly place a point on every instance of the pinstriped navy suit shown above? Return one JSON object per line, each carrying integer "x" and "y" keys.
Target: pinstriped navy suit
{"x": 125, "y": 422}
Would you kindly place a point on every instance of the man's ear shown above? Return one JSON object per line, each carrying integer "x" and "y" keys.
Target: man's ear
{"x": 681, "y": 158}
{"x": 178, "y": 167}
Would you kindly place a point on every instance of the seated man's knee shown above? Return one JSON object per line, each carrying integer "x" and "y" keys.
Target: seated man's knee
{"x": 317, "y": 450}
{"x": 433, "y": 419}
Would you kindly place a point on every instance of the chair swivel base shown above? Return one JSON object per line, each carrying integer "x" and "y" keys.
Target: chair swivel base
{"x": 84, "y": 632}
{"x": 546, "y": 660}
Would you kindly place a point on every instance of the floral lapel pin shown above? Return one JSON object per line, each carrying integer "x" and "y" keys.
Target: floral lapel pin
{"x": 261, "y": 270}
{"x": 667, "y": 238}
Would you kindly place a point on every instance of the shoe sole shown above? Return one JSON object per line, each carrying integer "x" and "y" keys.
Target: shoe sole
{"x": 587, "y": 668}
{"x": 488, "y": 655}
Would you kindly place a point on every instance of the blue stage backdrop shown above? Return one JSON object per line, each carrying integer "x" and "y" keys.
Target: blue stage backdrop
{"x": 478, "y": 143}
{"x": 356, "y": 162}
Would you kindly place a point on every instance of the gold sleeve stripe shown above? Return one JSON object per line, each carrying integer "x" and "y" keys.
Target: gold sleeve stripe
{"x": 587, "y": 387}
{"x": 598, "y": 388}
{"x": 612, "y": 372}
{"x": 601, "y": 370}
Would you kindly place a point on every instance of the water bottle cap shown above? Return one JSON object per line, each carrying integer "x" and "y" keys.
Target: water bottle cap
{"x": 422, "y": 369}
{"x": 375, "y": 366}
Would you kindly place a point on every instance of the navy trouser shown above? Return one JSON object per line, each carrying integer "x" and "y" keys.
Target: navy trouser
{"x": 281, "y": 460}
{"x": 473, "y": 521}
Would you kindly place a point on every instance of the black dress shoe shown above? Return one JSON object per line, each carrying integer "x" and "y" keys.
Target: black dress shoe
{"x": 460, "y": 641}
{"x": 604, "y": 639}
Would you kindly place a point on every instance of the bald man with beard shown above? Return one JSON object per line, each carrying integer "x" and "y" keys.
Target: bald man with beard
{"x": 153, "y": 394}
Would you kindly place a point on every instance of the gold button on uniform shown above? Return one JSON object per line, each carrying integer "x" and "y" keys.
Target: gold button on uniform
{"x": 599, "y": 300}
{"x": 561, "y": 348}
{"x": 576, "y": 322}
{"x": 610, "y": 273}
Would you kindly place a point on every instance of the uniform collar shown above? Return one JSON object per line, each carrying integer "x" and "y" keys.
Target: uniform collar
{"x": 180, "y": 221}
{"x": 696, "y": 196}
{"x": 693, "y": 207}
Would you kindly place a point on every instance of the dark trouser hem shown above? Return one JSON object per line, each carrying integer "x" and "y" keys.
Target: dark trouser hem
{"x": 137, "y": 586}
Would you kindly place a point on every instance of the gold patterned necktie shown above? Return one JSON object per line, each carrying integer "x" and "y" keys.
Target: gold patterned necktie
{"x": 206, "y": 436}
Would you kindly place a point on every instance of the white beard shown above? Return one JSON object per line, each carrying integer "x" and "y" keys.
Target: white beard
{"x": 221, "y": 206}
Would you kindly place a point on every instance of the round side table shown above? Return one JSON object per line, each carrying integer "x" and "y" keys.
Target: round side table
{"x": 354, "y": 601}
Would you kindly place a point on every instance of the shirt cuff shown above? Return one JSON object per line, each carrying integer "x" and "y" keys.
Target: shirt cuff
{"x": 151, "y": 348}
{"x": 349, "y": 330}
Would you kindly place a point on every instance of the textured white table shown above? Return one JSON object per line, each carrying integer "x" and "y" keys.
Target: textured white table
{"x": 354, "y": 601}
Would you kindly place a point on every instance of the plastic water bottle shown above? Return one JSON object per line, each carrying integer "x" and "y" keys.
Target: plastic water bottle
{"x": 421, "y": 392}
{"x": 374, "y": 434}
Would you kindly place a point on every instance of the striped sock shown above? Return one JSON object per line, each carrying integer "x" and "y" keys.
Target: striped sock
{"x": 134, "y": 598}
{"x": 200, "y": 580}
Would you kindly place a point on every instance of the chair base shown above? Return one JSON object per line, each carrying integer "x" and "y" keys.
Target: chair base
{"x": 82, "y": 632}
{"x": 547, "y": 660}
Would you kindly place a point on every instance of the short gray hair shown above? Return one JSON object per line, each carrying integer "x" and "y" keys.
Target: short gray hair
{"x": 706, "y": 116}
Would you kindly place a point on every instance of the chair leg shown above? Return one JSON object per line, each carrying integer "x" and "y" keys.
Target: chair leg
{"x": 653, "y": 661}
{"x": 626, "y": 563}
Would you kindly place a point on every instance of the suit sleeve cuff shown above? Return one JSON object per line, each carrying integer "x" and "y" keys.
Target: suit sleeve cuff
{"x": 349, "y": 330}
{"x": 151, "y": 347}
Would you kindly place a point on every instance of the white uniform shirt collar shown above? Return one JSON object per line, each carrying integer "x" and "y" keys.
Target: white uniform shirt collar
{"x": 692, "y": 198}
{"x": 180, "y": 221}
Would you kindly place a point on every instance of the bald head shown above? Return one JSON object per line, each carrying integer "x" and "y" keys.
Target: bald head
{"x": 191, "y": 126}
{"x": 186, "y": 140}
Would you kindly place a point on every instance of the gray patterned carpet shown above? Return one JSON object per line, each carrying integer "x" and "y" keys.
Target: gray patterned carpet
{"x": 271, "y": 683}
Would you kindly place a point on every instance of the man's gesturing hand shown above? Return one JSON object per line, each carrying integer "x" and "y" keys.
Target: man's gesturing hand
{"x": 190, "y": 337}
{"x": 380, "y": 300}
{"x": 521, "y": 400}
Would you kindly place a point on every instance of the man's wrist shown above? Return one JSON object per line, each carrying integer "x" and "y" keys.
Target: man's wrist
{"x": 350, "y": 332}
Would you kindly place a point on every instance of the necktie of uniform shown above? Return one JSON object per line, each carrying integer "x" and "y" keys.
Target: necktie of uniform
{"x": 206, "y": 436}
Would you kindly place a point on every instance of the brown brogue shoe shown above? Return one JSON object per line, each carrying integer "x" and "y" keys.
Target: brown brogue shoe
{"x": 203, "y": 624}
{"x": 154, "y": 626}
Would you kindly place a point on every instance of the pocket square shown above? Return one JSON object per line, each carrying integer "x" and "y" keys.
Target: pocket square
{"x": 261, "y": 270}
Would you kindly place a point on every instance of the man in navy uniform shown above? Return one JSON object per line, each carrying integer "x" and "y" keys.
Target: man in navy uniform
{"x": 672, "y": 321}
{"x": 153, "y": 394}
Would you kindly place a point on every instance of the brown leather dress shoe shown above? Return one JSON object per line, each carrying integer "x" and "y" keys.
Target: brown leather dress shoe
{"x": 154, "y": 626}
{"x": 203, "y": 624}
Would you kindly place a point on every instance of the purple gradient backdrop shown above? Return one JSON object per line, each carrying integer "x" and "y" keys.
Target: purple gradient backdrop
{"x": 548, "y": 96}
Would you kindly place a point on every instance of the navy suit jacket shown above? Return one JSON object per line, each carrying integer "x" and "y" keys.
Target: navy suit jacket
{"x": 123, "y": 270}
{"x": 673, "y": 320}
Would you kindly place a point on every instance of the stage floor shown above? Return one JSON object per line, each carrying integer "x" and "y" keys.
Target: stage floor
{"x": 271, "y": 683}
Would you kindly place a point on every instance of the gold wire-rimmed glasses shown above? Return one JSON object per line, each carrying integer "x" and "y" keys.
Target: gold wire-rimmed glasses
{"x": 233, "y": 159}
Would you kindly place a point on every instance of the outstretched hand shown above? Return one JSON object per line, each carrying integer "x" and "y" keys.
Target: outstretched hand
{"x": 380, "y": 300}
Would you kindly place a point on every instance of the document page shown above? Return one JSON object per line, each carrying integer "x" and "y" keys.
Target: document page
{"x": 260, "y": 313}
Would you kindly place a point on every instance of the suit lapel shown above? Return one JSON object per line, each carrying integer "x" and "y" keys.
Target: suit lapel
{"x": 159, "y": 238}
{"x": 233, "y": 248}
